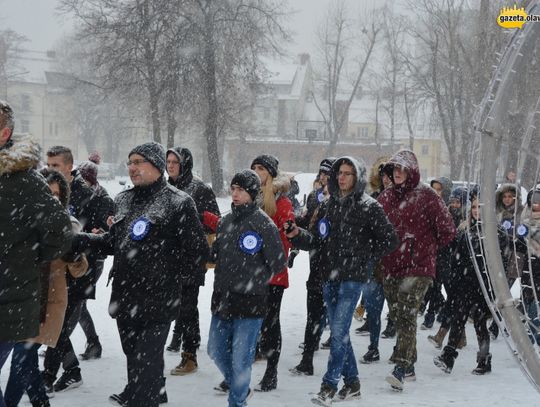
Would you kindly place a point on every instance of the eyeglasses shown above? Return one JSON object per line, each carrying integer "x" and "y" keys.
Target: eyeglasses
{"x": 135, "y": 162}
{"x": 345, "y": 173}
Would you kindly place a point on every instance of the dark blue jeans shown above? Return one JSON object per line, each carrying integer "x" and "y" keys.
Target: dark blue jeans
{"x": 373, "y": 294}
{"x": 231, "y": 345}
{"x": 5, "y": 350}
{"x": 25, "y": 375}
{"x": 340, "y": 299}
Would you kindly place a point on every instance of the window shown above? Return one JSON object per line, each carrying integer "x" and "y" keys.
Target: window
{"x": 25, "y": 103}
{"x": 425, "y": 149}
{"x": 363, "y": 132}
{"x": 25, "y": 126}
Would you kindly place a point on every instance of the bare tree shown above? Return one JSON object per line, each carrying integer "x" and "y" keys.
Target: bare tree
{"x": 10, "y": 43}
{"x": 337, "y": 39}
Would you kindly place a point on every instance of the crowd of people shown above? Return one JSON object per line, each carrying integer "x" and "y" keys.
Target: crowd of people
{"x": 385, "y": 236}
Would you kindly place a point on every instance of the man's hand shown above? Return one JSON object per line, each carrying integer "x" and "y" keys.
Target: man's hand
{"x": 290, "y": 228}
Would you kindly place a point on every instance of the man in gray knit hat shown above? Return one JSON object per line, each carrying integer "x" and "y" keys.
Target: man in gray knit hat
{"x": 156, "y": 240}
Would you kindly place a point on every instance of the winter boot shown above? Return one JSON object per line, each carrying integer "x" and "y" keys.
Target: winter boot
{"x": 174, "y": 346}
{"x": 359, "y": 313}
{"x": 438, "y": 339}
{"x": 363, "y": 330}
{"x": 349, "y": 391}
{"x": 371, "y": 356}
{"x": 484, "y": 364}
{"x": 389, "y": 331}
{"x": 222, "y": 388}
{"x": 187, "y": 365}
{"x": 463, "y": 341}
{"x": 118, "y": 400}
{"x": 268, "y": 382}
{"x": 48, "y": 382}
{"x": 429, "y": 319}
{"x": 445, "y": 361}
{"x": 324, "y": 396}
{"x": 70, "y": 379}
{"x": 305, "y": 367}
{"x": 93, "y": 350}
{"x": 410, "y": 374}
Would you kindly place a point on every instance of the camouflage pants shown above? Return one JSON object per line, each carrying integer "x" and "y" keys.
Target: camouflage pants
{"x": 404, "y": 296}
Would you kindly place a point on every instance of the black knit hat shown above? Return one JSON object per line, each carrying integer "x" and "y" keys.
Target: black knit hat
{"x": 269, "y": 162}
{"x": 326, "y": 165}
{"x": 249, "y": 181}
{"x": 153, "y": 152}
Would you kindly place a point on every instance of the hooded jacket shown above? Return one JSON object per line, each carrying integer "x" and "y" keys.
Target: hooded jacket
{"x": 447, "y": 186}
{"x": 359, "y": 232}
{"x": 510, "y": 213}
{"x": 34, "y": 228}
{"x": 202, "y": 194}
{"x": 241, "y": 279}
{"x": 420, "y": 217}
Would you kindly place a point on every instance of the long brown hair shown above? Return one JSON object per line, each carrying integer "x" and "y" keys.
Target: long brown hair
{"x": 269, "y": 197}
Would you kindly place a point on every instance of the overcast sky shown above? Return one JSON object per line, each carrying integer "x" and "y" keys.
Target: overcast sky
{"x": 38, "y": 21}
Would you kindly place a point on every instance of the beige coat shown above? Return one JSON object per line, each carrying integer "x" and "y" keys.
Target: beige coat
{"x": 49, "y": 331}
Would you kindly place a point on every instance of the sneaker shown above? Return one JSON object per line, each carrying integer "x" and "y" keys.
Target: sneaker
{"x": 93, "y": 351}
{"x": 363, "y": 330}
{"x": 396, "y": 378}
{"x": 174, "y": 346}
{"x": 117, "y": 400}
{"x": 268, "y": 382}
{"x": 371, "y": 356}
{"x": 326, "y": 345}
{"x": 48, "y": 383}
{"x": 349, "y": 391}
{"x": 302, "y": 369}
{"x": 222, "y": 388}
{"x": 429, "y": 319}
{"x": 41, "y": 403}
{"x": 445, "y": 361}
{"x": 70, "y": 379}
{"x": 410, "y": 375}
{"x": 324, "y": 396}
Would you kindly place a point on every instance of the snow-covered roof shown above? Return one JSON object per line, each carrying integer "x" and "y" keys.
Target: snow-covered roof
{"x": 30, "y": 66}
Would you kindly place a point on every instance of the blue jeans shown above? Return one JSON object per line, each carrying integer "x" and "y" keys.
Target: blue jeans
{"x": 373, "y": 302}
{"x": 231, "y": 345}
{"x": 5, "y": 350}
{"x": 25, "y": 375}
{"x": 340, "y": 299}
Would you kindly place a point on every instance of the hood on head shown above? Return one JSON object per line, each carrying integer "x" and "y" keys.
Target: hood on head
{"x": 186, "y": 160}
{"x": 407, "y": 159}
{"x": 375, "y": 180}
{"x": 22, "y": 155}
{"x": 360, "y": 168}
{"x": 504, "y": 188}
{"x": 447, "y": 186}
{"x": 534, "y": 191}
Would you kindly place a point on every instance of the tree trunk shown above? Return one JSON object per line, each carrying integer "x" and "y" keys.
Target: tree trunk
{"x": 211, "y": 125}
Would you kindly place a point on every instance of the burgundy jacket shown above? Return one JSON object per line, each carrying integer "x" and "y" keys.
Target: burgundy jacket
{"x": 422, "y": 221}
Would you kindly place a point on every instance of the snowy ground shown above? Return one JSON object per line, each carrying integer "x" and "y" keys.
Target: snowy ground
{"x": 503, "y": 387}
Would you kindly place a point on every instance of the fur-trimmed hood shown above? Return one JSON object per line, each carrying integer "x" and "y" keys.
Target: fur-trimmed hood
{"x": 281, "y": 184}
{"x": 504, "y": 188}
{"x": 23, "y": 154}
{"x": 375, "y": 180}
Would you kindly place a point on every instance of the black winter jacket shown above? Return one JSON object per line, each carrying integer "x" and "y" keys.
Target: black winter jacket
{"x": 359, "y": 232}
{"x": 34, "y": 228}
{"x": 147, "y": 273}
{"x": 241, "y": 279}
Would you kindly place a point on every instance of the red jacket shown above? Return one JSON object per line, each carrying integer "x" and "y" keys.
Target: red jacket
{"x": 284, "y": 213}
{"x": 422, "y": 221}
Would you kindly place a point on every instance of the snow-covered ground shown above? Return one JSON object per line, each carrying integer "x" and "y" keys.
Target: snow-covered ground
{"x": 504, "y": 387}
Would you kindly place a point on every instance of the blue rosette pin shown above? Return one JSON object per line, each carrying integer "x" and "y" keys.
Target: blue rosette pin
{"x": 320, "y": 196}
{"x": 324, "y": 228}
{"x": 522, "y": 231}
{"x": 250, "y": 242}
{"x": 507, "y": 225}
{"x": 139, "y": 229}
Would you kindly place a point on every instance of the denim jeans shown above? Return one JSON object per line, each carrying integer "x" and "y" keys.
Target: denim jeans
{"x": 373, "y": 294}
{"x": 231, "y": 345}
{"x": 25, "y": 375}
{"x": 5, "y": 350}
{"x": 340, "y": 299}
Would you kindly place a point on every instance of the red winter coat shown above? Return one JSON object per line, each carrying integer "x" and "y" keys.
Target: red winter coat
{"x": 422, "y": 221}
{"x": 284, "y": 213}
